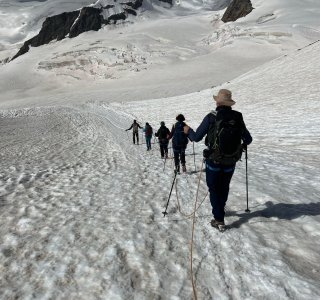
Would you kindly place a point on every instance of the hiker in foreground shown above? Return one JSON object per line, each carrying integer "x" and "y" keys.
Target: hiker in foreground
{"x": 148, "y": 131}
{"x": 227, "y": 137}
{"x": 135, "y": 131}
{"x": 179, "y": 143}
{"x": 163, "y": 135}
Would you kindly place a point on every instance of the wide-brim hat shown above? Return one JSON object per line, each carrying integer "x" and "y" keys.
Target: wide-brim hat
{"x": 224, "y": 97}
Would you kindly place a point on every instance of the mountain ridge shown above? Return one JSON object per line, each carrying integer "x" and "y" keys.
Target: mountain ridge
{"x": 106, "y": 12}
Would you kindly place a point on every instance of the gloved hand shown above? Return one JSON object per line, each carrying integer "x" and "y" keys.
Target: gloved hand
{"x": 244, "y": 147}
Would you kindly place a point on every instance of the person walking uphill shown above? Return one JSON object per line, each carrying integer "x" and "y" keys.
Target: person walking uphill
{"x": 148, "y": 131}
{"x": 179, "y": 143}
{"x": 227, "y": 136}
{"x": 163, "y": 135}
{"x": 135, "y": 131}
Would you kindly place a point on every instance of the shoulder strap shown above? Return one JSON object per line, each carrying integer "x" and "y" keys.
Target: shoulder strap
{"x": 210, "y": 137}
{"x": 212, "y": 116}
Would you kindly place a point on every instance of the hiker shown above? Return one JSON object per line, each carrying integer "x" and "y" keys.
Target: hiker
{"x": 227, "y": 137}
{"x": 179, "y": 143}
{"x": 135, "y": 127}
{"x": 148, "y": 131}
{"x": 163, "y": 135}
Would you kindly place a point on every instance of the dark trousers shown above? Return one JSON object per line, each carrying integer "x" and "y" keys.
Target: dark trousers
{"x": 164, "y": 148}
{"x": 218, "y": 180}
{"x": 179, "y": 155}
{"x": 148, "y": 142}
{"x": 135, "y": 135}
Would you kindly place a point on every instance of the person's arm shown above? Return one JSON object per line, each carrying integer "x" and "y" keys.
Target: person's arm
{"x": 130, "y": 127}
{"x": 139, "y": 126}
{"x": 171, "y": 133}
{"x": 168, "y": 134}
{"x": 202, "y": 130}
{"x": 246, "y": 136}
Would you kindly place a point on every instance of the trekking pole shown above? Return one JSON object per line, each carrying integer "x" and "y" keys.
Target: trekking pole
{"x": 246, "y": 154}
{"x": 174, "y": 179}
{"x": 194, "y": 158}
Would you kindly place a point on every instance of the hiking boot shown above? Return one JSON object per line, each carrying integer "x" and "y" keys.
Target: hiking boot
{"x": 184, "y": 169}
{"x": 218, "y": 224}
{"x": 177, "y": 169}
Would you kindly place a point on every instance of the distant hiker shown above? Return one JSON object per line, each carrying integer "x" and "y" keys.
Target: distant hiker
{"x": 135, "y": 131}
{"x": 227, "y": 136}
{"x": 179, "y": 143}
{"x": 148, "y": 131}
{"x": 163, "y": 135}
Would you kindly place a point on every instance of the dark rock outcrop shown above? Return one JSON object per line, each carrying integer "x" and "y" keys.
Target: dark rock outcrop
{"x": 89, "y": 19}
{"x": 135, "y": 4}
{"x": 116, "y": 17}
{"x": 237, "y": 9}
{"x": 166, "y": 1}
{"x": 53, "y": 28}
{"x": 71, "y": 24}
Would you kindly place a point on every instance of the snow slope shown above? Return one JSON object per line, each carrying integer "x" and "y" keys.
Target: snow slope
{"x": 81, "y": 206}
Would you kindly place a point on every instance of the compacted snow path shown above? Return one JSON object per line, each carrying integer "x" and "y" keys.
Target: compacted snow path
{"x": 82, "y": 205}
{"x": 81, "y": 213}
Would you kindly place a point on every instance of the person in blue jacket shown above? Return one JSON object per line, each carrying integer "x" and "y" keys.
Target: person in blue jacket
{"x": 179, "y": 143}
{"x": 218, "y": 176}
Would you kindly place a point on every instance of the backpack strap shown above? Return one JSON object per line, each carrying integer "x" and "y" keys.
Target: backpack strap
{"x": 212, "y": 120}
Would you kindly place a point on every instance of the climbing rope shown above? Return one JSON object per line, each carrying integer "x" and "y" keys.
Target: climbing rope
{"x": 192, "y": 236}
{"x": 193, "y": 215}
{"x": 179, "y": 205}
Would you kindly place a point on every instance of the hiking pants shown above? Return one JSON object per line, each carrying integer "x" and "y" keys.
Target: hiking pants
{"x": 164, "y": 148}
{"x": 148, "y": 142}
{"x": 179, "y": 155}
{"x": 218, "y": 180}
{"x": 135, "y": 135}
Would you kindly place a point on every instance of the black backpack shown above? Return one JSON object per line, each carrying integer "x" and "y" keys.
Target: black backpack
{"x": 163, "y": 133}
{"x": 224, "y": 138}
{"x": 179, "y": 139}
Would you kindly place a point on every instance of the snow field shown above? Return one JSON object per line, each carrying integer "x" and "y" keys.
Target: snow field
{"x": 81, "y": 206}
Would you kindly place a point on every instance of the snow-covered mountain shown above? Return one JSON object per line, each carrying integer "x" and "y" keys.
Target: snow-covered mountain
{"x": 81, "y": 206}
{"x": 107, "y": 12}
{"x": 191, "y": 37}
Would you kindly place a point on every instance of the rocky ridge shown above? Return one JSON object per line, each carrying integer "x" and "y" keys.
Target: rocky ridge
{"x": 237, "y": 9}
{"x": 105, "y": 12}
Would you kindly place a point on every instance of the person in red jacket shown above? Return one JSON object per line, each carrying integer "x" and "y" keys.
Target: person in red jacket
{"x": 148, "y": 132}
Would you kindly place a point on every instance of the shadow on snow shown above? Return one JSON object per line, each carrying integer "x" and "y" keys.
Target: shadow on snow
{"x": 281, "y": 211}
